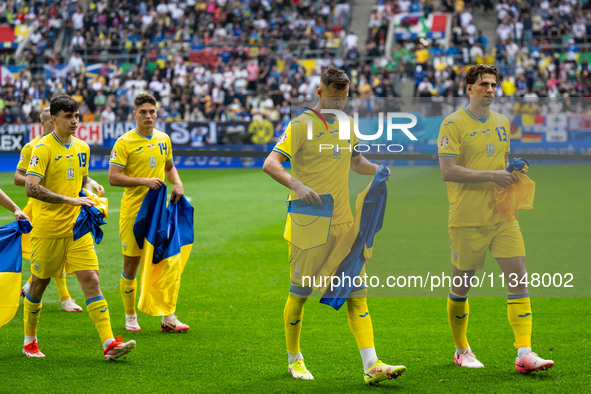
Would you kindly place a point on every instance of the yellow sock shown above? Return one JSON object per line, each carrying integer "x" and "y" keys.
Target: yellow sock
{"x": 99, "y": 313}
{"x": 32, "y": 310}
{"x": 62, "y": 289}
{"x": 458, "y": 312}
{"x": 128, "y": 289}
{"x": 360, "y": 322}
{"x": 520, "y": 318}
{"x": 292, "y": 317}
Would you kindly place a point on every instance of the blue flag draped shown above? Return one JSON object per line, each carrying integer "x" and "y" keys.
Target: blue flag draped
{"x": 370, "y": 221}
{"x": 165, "y": 235}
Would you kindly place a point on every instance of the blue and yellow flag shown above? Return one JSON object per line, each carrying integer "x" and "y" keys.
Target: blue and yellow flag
{"x": 10, "y": 267}
{"x": 369, "y": 217}
{"x": 165, "y": 235}
{"x": 308, "y": 225}
{"x": 91, "y": 218}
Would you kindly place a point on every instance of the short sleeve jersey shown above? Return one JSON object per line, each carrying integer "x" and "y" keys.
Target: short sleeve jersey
{"x": 140, "y": 157}
{"x": 321, "y": 162}
{"x": 478, "y": 144}
{"x": 62, "y": 169}
{"x": 25, "y": 157}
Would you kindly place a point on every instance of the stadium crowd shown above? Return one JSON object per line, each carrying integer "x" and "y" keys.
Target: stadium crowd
{"x": 221, "y": 60}
{"x": 539, "y": 50}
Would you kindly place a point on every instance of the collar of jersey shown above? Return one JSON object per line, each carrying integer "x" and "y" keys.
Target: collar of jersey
{"x": 475, "y": 118}
{"x": 143, "y": 136}
{"x": 61, "y": 143}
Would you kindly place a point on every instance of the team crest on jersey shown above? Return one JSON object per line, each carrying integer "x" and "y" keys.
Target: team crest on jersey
{"x": 34, "y": 161}
{"x": 113, "y": 154}
{"x": 69, "y": 157}
{"x": 70, "y": 172}
{"x": 36, "y": 266}
{"x": 336, "y": 152}
{"x": 444, "y": 142}
{"x": 152, "y": 161}
{"x": 21, "y": 158}
{"x": 282, "y": 138}
{"x": 124, "y": 245}
{"x": 490, "y": 149}
{"x": 150, "y": 146}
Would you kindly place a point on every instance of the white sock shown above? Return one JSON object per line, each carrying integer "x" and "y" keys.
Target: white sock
{"x": 522, "y": 351}
{"x": 460, "y": 351}
{"x": 292, "y": 357}
{"x": 107, "y": 343}
{"x": 128, "y": 316}
{"x": 29, "y": 339}
{"x": 368, "y": 357}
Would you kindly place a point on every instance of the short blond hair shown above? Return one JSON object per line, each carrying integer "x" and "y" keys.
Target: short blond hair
{"x": 45, "y": 114}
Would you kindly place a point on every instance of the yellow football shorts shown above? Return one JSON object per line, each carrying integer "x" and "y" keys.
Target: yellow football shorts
{"x": 469, "y": 244}
{"x": 50, "y": 256}
{"x": 322, "y": 260}
{"x": 129, "y": 246}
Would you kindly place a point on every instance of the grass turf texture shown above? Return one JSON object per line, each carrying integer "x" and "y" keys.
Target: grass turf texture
{"x": 235, "y": 285}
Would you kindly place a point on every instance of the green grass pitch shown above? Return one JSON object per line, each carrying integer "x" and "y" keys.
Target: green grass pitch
{"x": 235, "y": 285}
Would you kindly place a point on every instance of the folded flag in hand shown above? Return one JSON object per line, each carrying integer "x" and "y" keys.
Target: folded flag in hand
{"x": 91, "y": 218}
{"x": 519, "y": 195}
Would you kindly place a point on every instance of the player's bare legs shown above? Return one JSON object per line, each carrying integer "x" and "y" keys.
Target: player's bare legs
{"x": 130, "y": 265}
{"x": 520, "y": 315}
{"x": 464, "y": 287}
{"x": 89, "y": 281}
{"x": 38, "y": 286}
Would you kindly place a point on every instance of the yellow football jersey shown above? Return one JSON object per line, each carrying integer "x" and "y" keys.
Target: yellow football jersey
{"x": 23, "y": 164}
{"x": 25, "y": 157}
{"x": 321, "y": 163}
{"x": 140, "y": 157}
{"x": 62, "y": 168}
{"x": 478, "y": 145}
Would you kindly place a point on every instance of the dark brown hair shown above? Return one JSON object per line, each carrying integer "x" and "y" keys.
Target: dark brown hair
{"x": 480, "y": 69}
{"x": 334, "y": 78}
{"x": 62, "y": 103}
{"x": 143, "y": 99}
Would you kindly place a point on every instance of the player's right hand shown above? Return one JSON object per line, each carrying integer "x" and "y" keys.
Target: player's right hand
{"x": 308, "y": 195}
{"x": 504, "y": 178}
{"x": 19, "y": 215}
{"x": 154, "y": 183}
{"x": 82, "y": 201}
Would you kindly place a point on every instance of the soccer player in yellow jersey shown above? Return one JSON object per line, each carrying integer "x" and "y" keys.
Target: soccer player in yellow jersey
{"x": 140, "y": 160}
{"x": 57, "y": 171}
{"x": 473, "y": 148}
{"x": 326, "y": 171}
{"x": 68, "y": 304}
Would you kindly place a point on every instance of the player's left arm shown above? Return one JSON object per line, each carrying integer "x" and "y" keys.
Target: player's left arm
{"x": 172, "y": 175}
{"x": 7, "y": 203}
{"x": 91, "y": 184}
{"x": 362, "y": 166}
